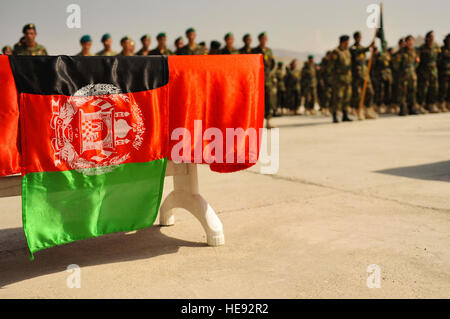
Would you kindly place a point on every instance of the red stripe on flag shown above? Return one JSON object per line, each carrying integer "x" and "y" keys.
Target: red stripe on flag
{"x": 74, "y": 132}
{"x": 223, "y": 91}
{"x": 9, "y": 121}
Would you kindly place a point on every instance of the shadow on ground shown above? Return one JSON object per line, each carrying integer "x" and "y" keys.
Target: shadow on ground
{"x": 16, "y": 266}
{"x": 439, "y": 171}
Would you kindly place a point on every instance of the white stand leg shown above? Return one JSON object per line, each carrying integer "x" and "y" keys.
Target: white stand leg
{"x": 186, "y": 195}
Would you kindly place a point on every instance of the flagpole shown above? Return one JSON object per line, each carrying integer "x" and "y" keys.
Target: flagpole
{"x": 369, "y": 65}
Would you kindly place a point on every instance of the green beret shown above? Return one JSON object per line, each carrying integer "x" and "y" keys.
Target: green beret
{"x": 310, "y": 57}
{"x": 356, "y": 34}
{"x": 160, "y": 35}
{"x": 105, "y": 37}
{"x": 190, "y": 30}
{"x": 145, "y": 36}
{"x": 246, "y": 36}
{"x": 125, "y": 38}
{"x": 29, "y": 26}
{"x": 280, "y": 63}
{"x": 85, "y": 38}
{"x": 178, "y": 40}
{"x": 261, "y": 35}
{"x": 229, "y": 34}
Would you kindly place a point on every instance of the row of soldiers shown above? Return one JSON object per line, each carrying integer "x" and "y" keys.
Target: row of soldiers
{"x": 407, "y": 81}
{"x": 27, "y": 45}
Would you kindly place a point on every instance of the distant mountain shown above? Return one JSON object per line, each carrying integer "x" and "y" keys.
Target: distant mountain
{"x": 288, "y": 55}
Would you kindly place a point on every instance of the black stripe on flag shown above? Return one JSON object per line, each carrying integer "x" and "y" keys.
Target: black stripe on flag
{"x": 64, "y": 75}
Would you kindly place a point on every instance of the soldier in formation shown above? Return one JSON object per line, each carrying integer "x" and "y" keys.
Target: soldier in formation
{"x": 341, "y": 68}
{"x": 427, "y": 74}
{"x": 28, "y": 45}
{"x": 161, "y": 48}
{"x": 308, "y": 84}
{"x": 145, "y": 41}
{"x": 444, "y": 75}
{"x": 107, "y": 46}
{"x": 269, "y": 64}
{"x": 359, "y": 73}
{"x": 86, "y": 44}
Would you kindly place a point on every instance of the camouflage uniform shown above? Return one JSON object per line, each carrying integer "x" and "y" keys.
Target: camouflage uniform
{"x": 427, "y": 74}
{"x": 106, "y": 53}
{"x": 281, "y": 87}
{"x": 245, "y": 50}
{"x": 157, "y": 51}
{"x": 292, "y": 83}
{"x": 444, "y": 75}
{"x": 24, "y": 50}
{"x": 269, "y": 64}
{"x": 382, "y": 75}
{"x": 359, "y": 71}
{"x": 225, "y": 50}
{"x": 341, "y": 68}
{"x": 196, "y": 50}
{"x": 326, "y": 76}
{"x": 407, "y": 80}
{"x": 395, "y": 67}
{"x": 309, "y": 85}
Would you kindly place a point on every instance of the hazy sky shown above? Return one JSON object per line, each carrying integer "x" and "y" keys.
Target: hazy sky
{"x": 312, "y": 26}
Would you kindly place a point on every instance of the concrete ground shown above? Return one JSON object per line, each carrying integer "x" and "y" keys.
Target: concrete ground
{"x": 346, "y": 196}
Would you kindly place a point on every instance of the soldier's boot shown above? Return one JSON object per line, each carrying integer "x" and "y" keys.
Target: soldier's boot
{"x": 335, "y": 118}
{"x": 360, "y": 114}
{"x": 393, "y": 109}
{"x": 345, "y": 117}
{"x": 414, "y": 110}
{"x": 403, "y": 110}
{"x": 371, "y": 114}
{"x": 442, "y": 107}
{"x": 382, "y": 109}
{"x": 432, "y": 108}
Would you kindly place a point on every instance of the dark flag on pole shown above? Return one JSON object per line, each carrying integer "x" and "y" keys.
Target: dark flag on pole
{"x": 380, "y": 32}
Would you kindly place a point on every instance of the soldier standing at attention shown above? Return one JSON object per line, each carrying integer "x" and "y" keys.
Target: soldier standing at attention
{"x": 191, "y": 48}
{"x": 292, "y": 83}
{"x": 309, "y": 84}
{"x": 107, "y": 43}
{"x": 161, "y": 49}
{"x": 6, "y": 50}
{"x": 229, "y": 44}
{"x": 86, "y": 44}
{"x": 408, "y": 61}
{"x": 326, "y": 77}
{"x": 179, "y": 44}
{"x": 427, "y": 73}
{"x": 281, "y": 87}
{"x": 29, "y": 45}
{"x": 383, "y": 80}
{"x": 341, "y": 69}
{"x": 127, "y": 46}
{"x": 444, "y": 75}
{"x": 247, "y": 48}
{"x": 359, "y": 72}
{"x": 145, "y": 50}
{"x": 395, "y": 99}
{"x": 214, "y": 47}
{"x": 269, "y": 64}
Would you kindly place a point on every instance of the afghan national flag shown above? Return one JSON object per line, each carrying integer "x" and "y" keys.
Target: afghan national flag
{"x": 94, "y": 145}
{"x": 380, "y": 32}
{"x": 95, "y": 134}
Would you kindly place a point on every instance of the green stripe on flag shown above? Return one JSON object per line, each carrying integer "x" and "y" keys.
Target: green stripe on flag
{"x": 61, "y": 207}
